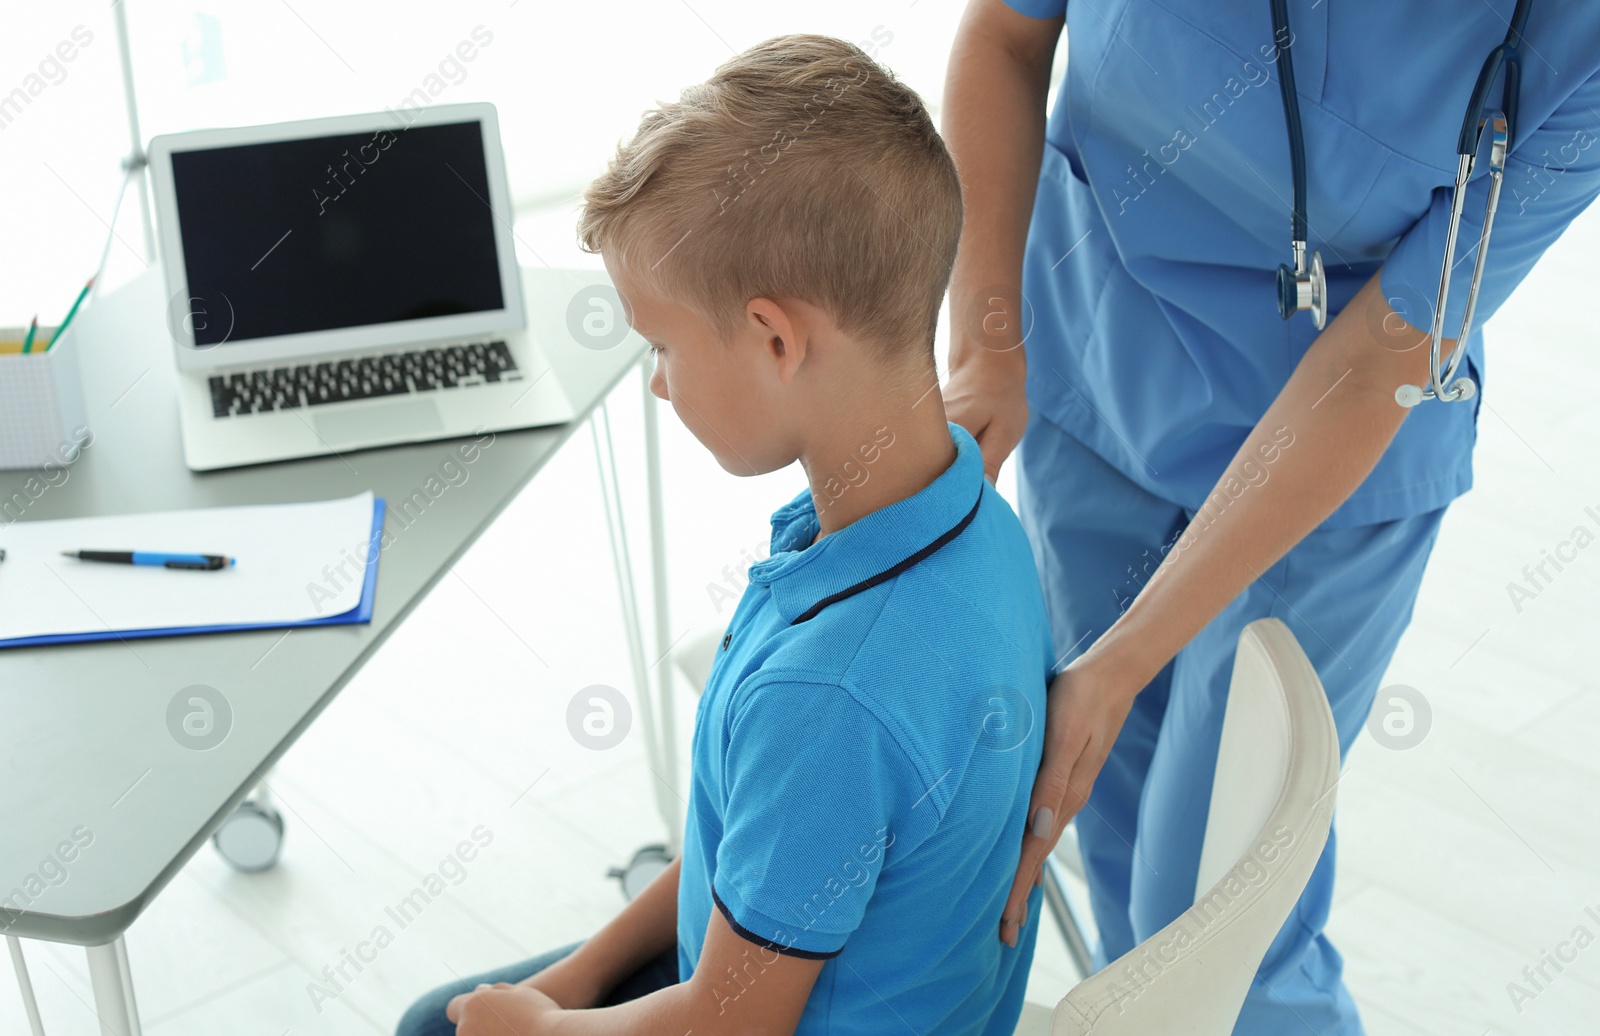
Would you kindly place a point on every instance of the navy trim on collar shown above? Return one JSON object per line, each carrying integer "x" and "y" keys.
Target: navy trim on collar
{"x": 805, "y": 574}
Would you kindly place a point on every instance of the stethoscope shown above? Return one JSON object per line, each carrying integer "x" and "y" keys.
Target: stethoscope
{"x": 1304, "y": 287}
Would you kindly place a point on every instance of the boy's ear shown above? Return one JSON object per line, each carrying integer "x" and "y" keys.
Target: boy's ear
{"x": 782, "y": 332}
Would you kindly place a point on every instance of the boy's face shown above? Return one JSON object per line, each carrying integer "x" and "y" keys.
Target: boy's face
{"x": 729, "y": 395}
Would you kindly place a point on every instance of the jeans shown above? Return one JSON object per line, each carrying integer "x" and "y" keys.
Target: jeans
{"x": 426, "y": 1016}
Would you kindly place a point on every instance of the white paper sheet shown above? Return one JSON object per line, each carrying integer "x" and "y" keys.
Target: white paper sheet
{"x": 294, "y": 562}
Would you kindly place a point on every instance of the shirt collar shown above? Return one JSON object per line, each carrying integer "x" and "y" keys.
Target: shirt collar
{"x": 805, "y": 577}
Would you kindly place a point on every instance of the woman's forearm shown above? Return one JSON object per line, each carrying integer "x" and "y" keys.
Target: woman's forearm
{"x": 1313, "y": 447}
{"x": 993, "y": 122}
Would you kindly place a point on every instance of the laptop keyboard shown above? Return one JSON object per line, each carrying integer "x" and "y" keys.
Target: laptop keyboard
{"x": 369, "y": 377}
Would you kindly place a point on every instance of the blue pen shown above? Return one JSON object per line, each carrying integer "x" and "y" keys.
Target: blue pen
{"x": 201, "y": 562}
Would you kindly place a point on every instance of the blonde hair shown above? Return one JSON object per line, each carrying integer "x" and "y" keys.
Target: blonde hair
{"x": 801, "y": 169}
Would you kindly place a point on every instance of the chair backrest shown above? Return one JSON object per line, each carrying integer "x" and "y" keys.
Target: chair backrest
{"x": 695, "y": 654}
{"x": 1271, "y": 807}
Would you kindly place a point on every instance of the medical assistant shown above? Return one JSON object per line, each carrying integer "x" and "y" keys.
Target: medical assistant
{"x": 1163, "y": 209}
{"x": 1154, "y": 345}
{"x": 863, "y": 756}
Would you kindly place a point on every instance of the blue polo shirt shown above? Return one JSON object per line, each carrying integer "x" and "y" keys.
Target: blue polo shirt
{"x": 1163, "y": 202}
{"x": 863, "y": 757}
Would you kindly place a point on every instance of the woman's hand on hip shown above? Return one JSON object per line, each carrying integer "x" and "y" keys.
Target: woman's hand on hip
{"x": 1084, "y": 711}
{"x": 987, "y": 395}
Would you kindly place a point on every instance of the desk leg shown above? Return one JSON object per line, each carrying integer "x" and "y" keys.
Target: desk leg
{"x": 25, "y": 984}
{"x": 616, "y": 526}
{"x": 127, "y": 987}
{"x": 113, "y": 989}
{"x": 658, "y": 580}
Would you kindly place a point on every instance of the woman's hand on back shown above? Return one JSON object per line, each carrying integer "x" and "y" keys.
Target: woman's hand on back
{"x": 1084, "y": 713}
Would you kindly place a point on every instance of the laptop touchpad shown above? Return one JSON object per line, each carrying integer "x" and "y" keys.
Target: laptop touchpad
{"x": 391, "y": 421}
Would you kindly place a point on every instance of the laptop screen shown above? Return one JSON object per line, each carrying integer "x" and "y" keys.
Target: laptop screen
{"x": 352, "y": 230}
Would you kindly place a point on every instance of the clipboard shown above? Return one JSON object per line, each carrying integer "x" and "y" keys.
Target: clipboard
{"x": 360, "y": 613}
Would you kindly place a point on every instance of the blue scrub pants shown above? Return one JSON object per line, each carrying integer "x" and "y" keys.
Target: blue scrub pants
{"x": 1346, "y": 593}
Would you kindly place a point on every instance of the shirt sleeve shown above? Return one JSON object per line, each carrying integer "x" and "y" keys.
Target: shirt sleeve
{"x": 820, "y": 796}
{"x": 1039, "y": 8}
{"x": 1551, "y": 176}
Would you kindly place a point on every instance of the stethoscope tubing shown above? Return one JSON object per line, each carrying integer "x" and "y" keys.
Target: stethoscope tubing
{"x": 1308, "y": 277}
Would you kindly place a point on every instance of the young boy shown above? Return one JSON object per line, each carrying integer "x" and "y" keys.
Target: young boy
{"x": 866, "y": 744}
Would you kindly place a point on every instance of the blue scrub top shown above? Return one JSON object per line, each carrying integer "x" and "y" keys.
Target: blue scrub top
{"x": 1163, "y": 210}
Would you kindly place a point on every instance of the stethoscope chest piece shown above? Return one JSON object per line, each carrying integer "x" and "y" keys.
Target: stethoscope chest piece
{"x": 1303, "y": 286}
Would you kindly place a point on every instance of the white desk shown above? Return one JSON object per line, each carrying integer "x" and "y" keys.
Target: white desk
{"x": 84, "y": 741}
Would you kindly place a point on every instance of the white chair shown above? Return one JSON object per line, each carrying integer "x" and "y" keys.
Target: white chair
{"x": 1271, "y": 808}
{"x": 695, "y": 655}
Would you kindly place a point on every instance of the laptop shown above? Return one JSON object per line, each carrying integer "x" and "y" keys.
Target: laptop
{"x": 345, "y": 283}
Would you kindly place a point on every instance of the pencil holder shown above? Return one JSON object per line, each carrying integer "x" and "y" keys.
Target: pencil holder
{"x": 43, "y": 422}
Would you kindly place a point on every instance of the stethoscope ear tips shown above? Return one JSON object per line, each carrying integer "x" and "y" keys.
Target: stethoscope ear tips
{"x": 1461, "y": 390}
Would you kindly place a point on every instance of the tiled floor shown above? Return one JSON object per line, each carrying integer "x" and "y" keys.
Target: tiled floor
{"x": 1465, "y": 859}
